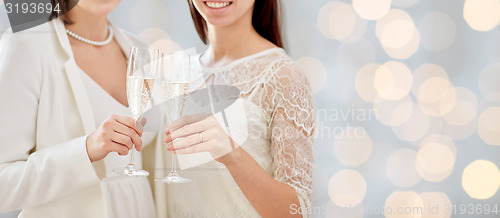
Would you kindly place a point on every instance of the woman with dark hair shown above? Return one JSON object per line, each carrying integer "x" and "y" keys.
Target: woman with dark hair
{"x": 65, "y": 121}
{"x": 270, "y": 173}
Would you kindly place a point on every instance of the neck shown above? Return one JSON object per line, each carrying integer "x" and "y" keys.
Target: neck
{"x": 226, "y": 42}
{"x": 88, "y": 25}
{"x": 229, "y": 43}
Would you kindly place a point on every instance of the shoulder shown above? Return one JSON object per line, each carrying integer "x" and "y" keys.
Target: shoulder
{"x": 272, "y": 63}
{"x": 286, "y": 73}
{"x": 39, "y": 38}
{"x": 24, "y": 55}
{"x": 291, "y": 94}
{"x": 28, "y": 50}
{"x": 278, "y": 60}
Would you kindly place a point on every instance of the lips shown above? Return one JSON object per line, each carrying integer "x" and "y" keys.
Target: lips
{"x": 217, "y": 5}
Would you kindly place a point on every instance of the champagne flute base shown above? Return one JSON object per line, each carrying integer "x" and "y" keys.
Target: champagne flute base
{"x": 173, "y": 177}
{"x": 130, "y": 170}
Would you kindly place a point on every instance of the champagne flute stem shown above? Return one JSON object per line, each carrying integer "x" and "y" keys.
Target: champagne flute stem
{"x": 174, "y": 163}
{"x": 132, "y": 151}
{"x": 132, "y": 155}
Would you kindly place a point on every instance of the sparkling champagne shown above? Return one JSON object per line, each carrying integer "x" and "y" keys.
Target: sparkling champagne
{"x": 175, "y": 93}
{"x": 139, "y": 93}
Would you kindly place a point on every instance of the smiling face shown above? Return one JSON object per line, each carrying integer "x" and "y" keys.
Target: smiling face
{"x": 225, "y": 12}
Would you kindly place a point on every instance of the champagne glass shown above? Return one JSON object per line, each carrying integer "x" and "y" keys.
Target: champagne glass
{"x": 173, "y": 84}
{"x": 142, "y": 69}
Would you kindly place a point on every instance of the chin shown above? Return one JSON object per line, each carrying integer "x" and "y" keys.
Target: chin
{"x": 100, "y": 7}
{"x": 219, "y": 22}
{"x": 224, "y": 12}
{"x": 108, "y": 6}
{"x": 105, "y": 11}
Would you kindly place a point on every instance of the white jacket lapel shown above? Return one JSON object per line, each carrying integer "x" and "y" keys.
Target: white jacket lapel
{"x": 81, "y": 98}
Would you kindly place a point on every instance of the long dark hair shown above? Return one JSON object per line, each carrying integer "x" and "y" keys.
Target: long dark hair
{"x": 64, "y": 6}
{"x": 266, "y": 20}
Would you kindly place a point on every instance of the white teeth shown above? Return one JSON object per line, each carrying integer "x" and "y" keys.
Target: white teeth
{"x": 217, "y": 4}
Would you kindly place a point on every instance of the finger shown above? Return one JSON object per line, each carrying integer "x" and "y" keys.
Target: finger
{"x": 140, "y": 123}
{"x": 121, "y": 149}
{"x": 138, "y": 147}
{"x": 129, "y": 132}
{"x": 186, "y": 120}
{"x": 128, "y": 121}
{"x": 185, "y": 131}
{"x": 201, "y": 147}
{"x": 185, "y": 142}
{"x": 122, "y": 140}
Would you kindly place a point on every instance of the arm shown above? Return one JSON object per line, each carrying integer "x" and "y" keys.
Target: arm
{"x": 31, "y": 179}
{"x": 269, "y": 197}
{"x": 27, "y": 177}
{"x": 292, "y": 128}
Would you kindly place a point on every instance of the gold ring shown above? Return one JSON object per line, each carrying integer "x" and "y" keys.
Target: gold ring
{"x": 201, "y": 138}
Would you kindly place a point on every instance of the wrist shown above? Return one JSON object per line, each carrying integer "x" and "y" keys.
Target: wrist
{"x": 231, "y": 159}
{"x": 87, "y": 148}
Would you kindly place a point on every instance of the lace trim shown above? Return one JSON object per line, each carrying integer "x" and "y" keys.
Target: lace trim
{"x": 239, "y": 61}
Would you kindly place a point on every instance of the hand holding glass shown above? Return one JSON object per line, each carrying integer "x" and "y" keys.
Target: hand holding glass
{"x": 173, "y": 82}
{"x": 143, "y": 66}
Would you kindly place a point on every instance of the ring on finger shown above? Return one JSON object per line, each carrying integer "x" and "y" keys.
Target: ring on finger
{"x": 201, "y": 137}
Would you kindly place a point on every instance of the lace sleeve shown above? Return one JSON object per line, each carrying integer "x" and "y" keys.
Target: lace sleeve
{"x": 293, "y": 125}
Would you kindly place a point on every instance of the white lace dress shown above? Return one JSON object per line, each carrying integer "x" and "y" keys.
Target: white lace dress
{"x": 281, "y": 121}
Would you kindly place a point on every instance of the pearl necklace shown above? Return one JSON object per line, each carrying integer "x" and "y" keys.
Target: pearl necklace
{"x": 90, "y": 42}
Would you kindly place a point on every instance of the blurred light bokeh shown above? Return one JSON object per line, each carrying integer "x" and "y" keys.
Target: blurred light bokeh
{"x": 408, "y": 97}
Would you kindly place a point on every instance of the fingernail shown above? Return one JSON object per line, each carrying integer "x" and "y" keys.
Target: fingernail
{"x": 168, "y": 139}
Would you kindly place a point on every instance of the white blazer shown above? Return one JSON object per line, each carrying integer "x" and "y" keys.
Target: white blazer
{"x": 45, "y": 117}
